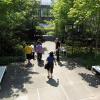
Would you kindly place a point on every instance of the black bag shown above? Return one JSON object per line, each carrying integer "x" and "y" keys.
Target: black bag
{"x": 46, "y": 66}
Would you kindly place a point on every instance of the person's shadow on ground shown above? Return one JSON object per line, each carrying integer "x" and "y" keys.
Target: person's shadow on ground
{"x": 45, "y": 49}
{"x": 29, "y": 65}
{"x": 53, "y": 82}
{"x": 41, "y": 63}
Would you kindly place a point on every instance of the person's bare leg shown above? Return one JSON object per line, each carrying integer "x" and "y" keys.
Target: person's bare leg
{"x": 51, "y": 75}
{"x": 48, "y": 74}
{"x": 51, "y": 72}
{"x": 29, "y": 61}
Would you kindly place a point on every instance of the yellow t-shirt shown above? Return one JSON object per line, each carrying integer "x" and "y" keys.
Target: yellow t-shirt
{"x": 28, "y": 49}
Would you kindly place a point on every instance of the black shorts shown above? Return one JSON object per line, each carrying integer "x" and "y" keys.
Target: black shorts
{"x": 50, "y": 67}
{"x": 28, "y": 56}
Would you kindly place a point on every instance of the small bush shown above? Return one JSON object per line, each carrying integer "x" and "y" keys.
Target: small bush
{"x": 19, "y": 50}
{"x": 85, "y": 59}
{"x": 8, "y": 60}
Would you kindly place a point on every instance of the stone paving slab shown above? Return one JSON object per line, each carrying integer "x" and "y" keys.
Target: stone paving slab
{"x": 77, "y": 93}
{"x": 51, "y": 93}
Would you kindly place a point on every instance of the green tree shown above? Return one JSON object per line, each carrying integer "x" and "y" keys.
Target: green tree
{"x": 15, "y": 15}
{"x": 87, "y": 12}
{"x": 60, "y": 12}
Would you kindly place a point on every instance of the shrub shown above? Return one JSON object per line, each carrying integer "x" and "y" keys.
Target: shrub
{"x": 9, "y": 59}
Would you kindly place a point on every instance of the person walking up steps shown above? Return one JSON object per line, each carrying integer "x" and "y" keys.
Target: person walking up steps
{"x": 50, "y": 64}
{"x": 57, "y": 43}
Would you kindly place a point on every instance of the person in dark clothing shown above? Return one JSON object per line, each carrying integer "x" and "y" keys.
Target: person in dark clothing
{"x": 57, "y": 54}
{"x": 58, "y": 44}
{"x": 50, "y": 64}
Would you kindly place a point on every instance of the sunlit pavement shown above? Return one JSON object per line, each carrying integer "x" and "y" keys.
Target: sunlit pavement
{"x": 69, "y": 82}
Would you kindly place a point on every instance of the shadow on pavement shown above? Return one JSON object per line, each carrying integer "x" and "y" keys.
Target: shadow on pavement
{"x": 93, "y": 80}
{"x": 45, "y": 49}
{"x": 69, "y": 64}
{"x": 41, "y": 63}
{"x": 17, "y": 75}
{"x": 53, "y": 82}
{"x": 29, "y": 65}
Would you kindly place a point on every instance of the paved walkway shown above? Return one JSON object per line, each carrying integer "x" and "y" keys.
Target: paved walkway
{"x": 70, "y": 82}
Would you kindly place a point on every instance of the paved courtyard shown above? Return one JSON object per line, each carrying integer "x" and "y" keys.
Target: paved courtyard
{"x": 70, "y": 81}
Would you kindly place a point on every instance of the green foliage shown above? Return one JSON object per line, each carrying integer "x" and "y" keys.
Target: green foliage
{"x": 15, "y": 55}
{"x": 79, "y": 18}
{"x": 39, "y": 28}
{"x": 19, "y": 50}
{"x": 51, "y": 33}
{"x": 77, "y": 12}
{"x": 83, "y": 10}
{"x": 84, "y": 58}
{"x": 15, "y": 15}
{"x": 60, "y": 12}
{"x": 47, "y": 29}
{"x": 7, "y": 60}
